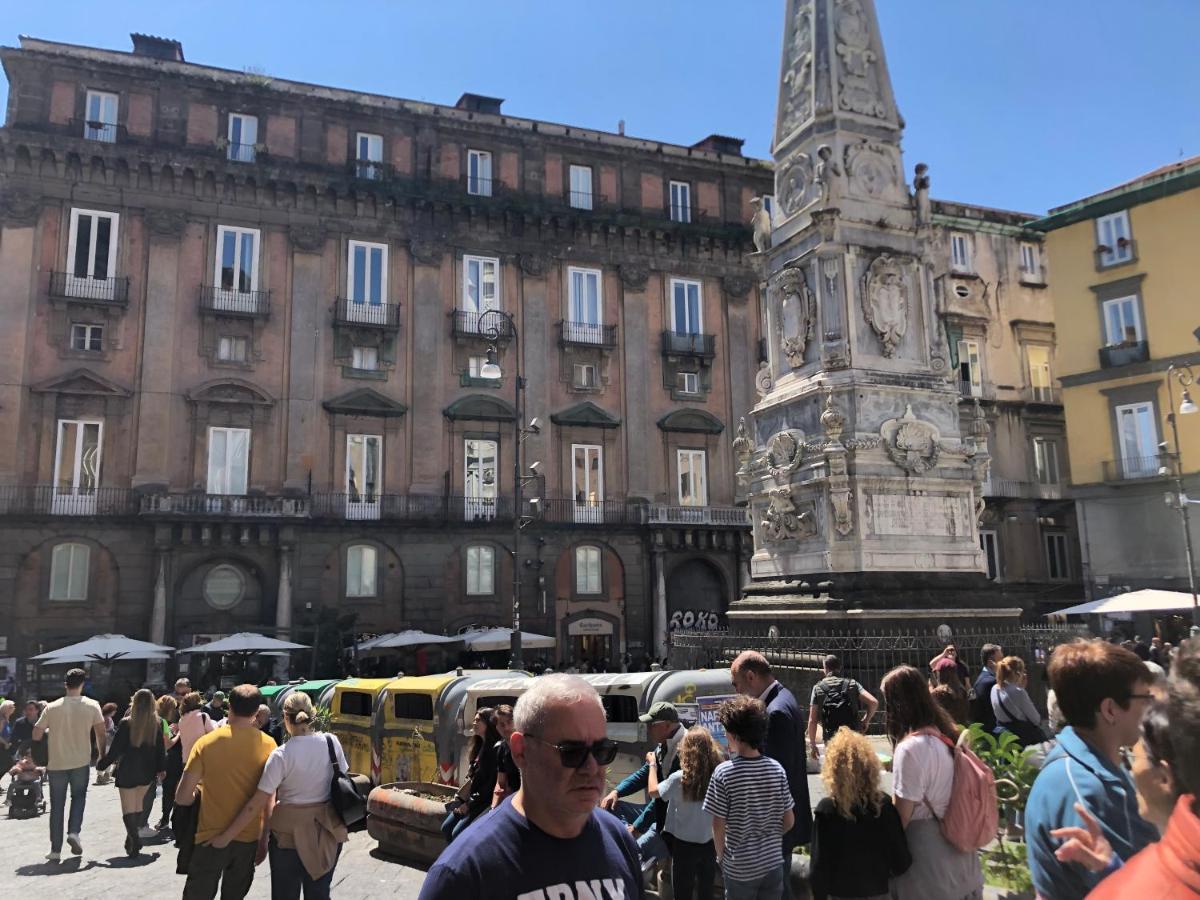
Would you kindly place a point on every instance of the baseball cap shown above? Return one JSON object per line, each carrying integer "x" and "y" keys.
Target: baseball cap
{"x": 944, "y": 663}
{"x": 219, "y": 695}
{"x": 662, "y": 711}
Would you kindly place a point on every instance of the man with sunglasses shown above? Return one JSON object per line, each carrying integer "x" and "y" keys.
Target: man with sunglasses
{"x": 548, "y": 839}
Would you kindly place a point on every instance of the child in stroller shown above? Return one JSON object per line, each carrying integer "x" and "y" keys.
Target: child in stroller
{"x": 26, "y": 797}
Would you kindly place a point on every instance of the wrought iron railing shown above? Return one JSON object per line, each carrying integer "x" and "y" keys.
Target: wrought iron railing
{"x": 371, "y": 170}
{"x": 93, "y": 290}
{"x": 468, "y": 323}
{"x": 587, "y": 334}
{"x": 1130, "y": 467}
{"x": 95, "y": 130}
{"x": 48, "y": 499}
{"x": 1124, "y": 354}
{"x": 351, "y": 312}
{"x": 478, "y": 186}
{"x": 681, "y": 344}
{"x": 1027, "y": 490}
{"x": 1043, "y": 395}
{"x": 246, "y": 153}
{"x": 235, "y": 303}
{"x": 657, "y": 514}
{"x": 194, "y": 503}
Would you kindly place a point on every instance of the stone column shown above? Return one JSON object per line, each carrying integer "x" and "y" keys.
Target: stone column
{"x": 661, "y": 626}
{"x": 308, "y": 311}
{"x": 642, "y": 439}
{"x": 156, "y": 671}
{"x": 429, "y": 347}
{"x": 19, "y": 213}
{"x": 283, "y": 611}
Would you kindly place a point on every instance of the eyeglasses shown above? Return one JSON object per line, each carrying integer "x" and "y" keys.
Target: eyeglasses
{"x": 574, "y": 754}
{"x": 1139, "y": 696}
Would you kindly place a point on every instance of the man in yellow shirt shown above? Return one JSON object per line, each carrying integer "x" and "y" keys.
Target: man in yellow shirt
{"x": 226, "y": 765}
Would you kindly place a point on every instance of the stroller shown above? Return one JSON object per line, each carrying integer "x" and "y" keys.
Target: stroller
{"x": 26, "y": 799}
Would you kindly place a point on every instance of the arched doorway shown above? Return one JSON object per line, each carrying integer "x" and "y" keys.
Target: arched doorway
{"x": 696, "y": 597}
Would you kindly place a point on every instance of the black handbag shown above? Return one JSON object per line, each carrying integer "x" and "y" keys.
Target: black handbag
{"x": 1027, "y": 732}
{"x": 351, "y": 806}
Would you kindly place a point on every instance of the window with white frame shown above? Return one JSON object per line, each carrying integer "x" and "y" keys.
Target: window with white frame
{"x": 100, "y": 117}
{"x": 687, "y": 313}
{"x": 1122, "y": 321}
{"x": 361, "y": 570}
{"x": 1113, "y": 241}
{"x": 693, "y": 478}
{"x": 87, "y": 337}
{"x": 236, "y": 275}
{"x": 69, "y": 572}
{"x": 583, "y": 325}
{"x": 1041, "y": 380}
{"x": 481, "y": 288}
{"x": 1031, "y": 261}
{"x": 366, "y": 282}
{"x": 587, "y": 570}
{"x": 243, "y": 136}
{"x": 970, "y": 369}
{"x": 1137, "y": 439}
{"x": 1045, "y": 460}
{"x": 92, "y": 254}
{"x": 687, "y": 382}
{"x": 77, "y": 466}
{"x": 365, "y": 359}
{"x": 228, "y": 460}
{"x": 231, "y": 348}
{"x": 368, "y": 153}
{"x": 681, "y": 201}
{"x": 585, "y": 375}
{"x": 960, "y": 252}
{"x": 480, "y": 570}
{"x": 990, "y": 545}
{"x": 479, "y": 173}
{"x": 587, "y": 482}
{"x": 1058, "y": 561}
{"x": 581, "y": 187}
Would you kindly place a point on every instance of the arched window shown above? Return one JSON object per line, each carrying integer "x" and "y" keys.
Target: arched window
{"x": 587, "y": 570}
{"x": 361, "y": 570}
{"x": 69, "y": 572}
{"x": 224, "y": 587}
{"x": 481, "y": 563}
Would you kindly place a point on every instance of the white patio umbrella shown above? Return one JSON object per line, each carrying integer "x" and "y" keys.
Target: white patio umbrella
{"x": 106, "y": 648}
{"x": 1131, "y": 602}
{"x": 499, "y": 639}
{"x": 245, "y": 643}
{"x": 412, "y": 638}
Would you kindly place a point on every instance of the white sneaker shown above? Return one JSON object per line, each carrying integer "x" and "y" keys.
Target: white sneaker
{"x": 147, "y": 832}
{"x": 53, "y": 857}
{"x": 75, "y": 844}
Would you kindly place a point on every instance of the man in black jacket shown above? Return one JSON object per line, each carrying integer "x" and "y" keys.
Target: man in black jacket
{"x": 981, "y": 703}
{"x": 22, "y": 729}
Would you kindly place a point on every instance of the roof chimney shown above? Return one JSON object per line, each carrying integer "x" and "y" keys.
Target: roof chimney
{"x": 720, "y": 143}
{"x": 479, "y": 103}
{"x": 157, "y": 47}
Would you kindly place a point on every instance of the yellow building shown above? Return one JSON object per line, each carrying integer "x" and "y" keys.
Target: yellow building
{"x": 1126, "y": 267}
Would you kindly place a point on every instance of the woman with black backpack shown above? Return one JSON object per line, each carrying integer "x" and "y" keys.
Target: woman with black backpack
{"x": 1014, "y": 710}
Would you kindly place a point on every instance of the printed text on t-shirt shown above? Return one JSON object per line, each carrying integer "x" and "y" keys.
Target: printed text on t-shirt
{"x": 596, "y": 889}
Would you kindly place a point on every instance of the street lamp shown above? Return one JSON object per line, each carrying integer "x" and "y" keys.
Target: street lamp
{"x": 1183, "y": 374}
{"x": 502, "y": 322}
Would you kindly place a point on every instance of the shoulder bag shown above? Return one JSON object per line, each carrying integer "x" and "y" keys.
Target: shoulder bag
{"x": 347, "y": 801}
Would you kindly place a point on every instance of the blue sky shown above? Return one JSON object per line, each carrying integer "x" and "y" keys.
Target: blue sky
{"x": 1012, "y": 103}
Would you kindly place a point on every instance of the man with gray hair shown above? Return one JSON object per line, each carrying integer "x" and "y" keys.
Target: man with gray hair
{"x": 548, "y": 840}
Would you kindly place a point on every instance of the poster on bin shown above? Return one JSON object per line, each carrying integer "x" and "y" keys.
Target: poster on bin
{"x": 708, "y": 707}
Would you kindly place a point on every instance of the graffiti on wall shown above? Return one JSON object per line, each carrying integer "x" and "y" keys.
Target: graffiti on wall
{"x": 695, "y": 620}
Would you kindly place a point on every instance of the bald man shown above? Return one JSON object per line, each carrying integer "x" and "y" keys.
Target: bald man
{"x": 752, "y": 676}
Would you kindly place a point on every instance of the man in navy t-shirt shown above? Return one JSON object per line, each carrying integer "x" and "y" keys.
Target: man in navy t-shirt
{"x": 548, "y": 841}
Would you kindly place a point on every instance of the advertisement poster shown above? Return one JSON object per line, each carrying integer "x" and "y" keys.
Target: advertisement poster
{"x": 708, "y": 707}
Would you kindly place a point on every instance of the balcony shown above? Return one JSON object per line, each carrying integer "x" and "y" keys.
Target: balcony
{"x": 243, "y": 153}
{"x": 371, "y": 170}
{"x": 1043, "y": 395}
{"x": 698, "y": 345}
{"x": 735, "y": 516}
{"x": 93, "y": 130}
{"x": 970, "y": 389}
{"x": 1124, "y": 354}
{"x": 586, "y": 334}
{"x": 1133, "y": 467}
{"x": 683, "y": 213}
{"x": 51, "y": 500}
{"x": 568, "y": 511}
{"x": 374, "y": 315}
{"x": 478, "y": 186}
{"x": 245, "y": 304}
{"x": 225, "y": 505}
{"x": 465, "y": 323}
{"x": 92, "y": 291}
{"x": 585, "y": 200}
{"x": 1021, "y": 490}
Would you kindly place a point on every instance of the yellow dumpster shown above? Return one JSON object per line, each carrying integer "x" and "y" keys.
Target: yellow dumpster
{"x": 353, "y": 719}
{"x": 409, "y": 728}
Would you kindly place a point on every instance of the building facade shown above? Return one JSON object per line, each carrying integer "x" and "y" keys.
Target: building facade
{"x": 1124, "y": 265}
{"x": 244, "y": 380}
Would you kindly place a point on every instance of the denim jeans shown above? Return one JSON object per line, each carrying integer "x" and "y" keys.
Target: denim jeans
{"x": 289, "y": 877}
{"x": 230, "y": 868}
{"x": 453, "y": 826}
{"x": 765, "y": 887}
{"x": 693, "y": 870}
{"x": 77, "y": 780}
{"x": 650, "y": 844}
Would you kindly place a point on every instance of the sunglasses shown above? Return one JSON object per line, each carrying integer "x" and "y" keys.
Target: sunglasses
{"x": 574, "y": 754}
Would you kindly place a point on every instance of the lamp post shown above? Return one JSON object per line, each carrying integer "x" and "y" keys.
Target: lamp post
{"x": 492, "y": 322}
{"x": 1181, "y": 501}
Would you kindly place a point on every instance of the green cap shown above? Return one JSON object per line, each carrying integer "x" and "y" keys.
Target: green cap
{"x": 662, "y": 711}
{"x": 219, "y": 695}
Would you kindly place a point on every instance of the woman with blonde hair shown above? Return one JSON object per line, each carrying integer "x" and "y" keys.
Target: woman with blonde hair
{"x": 1014, "y": 710}
{"x": 858, "y": 841}
{"x": 168, "y": 711}
{"x": 137, "y": 750}
{"x": 693, "y": 858}
{"x": 306, "y": 832}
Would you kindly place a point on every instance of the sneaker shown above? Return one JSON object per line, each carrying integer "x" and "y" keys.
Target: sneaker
{"x": 75, "y": 844}
{"x": 147, "y": 832}
{"x": 53, "y": 856}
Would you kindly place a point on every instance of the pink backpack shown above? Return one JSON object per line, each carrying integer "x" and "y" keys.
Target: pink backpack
{"x": 973, "y": 816}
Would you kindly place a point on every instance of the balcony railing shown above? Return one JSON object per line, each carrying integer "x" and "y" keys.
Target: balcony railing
{"x": 106, "y": 291}
{"x": 468, "y": 323}
{"x": 697, "y": 515}
{"x": 685, "y": 213}
{"x": 1131, "y": 467}
{"x": 246, "y": 153}
{"x": 676, "y": 344}
{"x": 477, "y": 186}
{"x": 379, "y": 315}
{"x": 235, "y": 303}
{"x": 1023, "y": 490}
{"x": 48, "y": 499}
{"x": 587, "y": 334}
{"x": 967, "y": 388}
{"x": 200, "y": 504}
{"x": 1043, "y": 395}
{"x": 1124, "y": 354}
{"x": 586, "y": 200}
{"x": 371, "y": 170}
{"x": 589, "y": 512}
{"x": 94, "y": 130}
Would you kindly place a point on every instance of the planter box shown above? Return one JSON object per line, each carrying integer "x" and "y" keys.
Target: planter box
{"x": 406, "y": 822}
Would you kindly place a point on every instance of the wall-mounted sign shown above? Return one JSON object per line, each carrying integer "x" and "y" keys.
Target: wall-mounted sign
{"x": 589, "y": 626}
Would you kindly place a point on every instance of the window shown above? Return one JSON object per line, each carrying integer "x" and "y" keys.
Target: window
{"x": 228, "y": 460}
{"x": 686, "y": 308}
{"x": 581, "y": 187}
{"x": 991, "y": 552}
{"x": 587, "y": 482}
{"x": 1137, "y": 439}
{"x": 100, "y": 117}
{"x": 587, "y": 570}
{"x": 479, "y": 173}
{"x": 1113, "y": 243}
{"x": 77, "y": 466}
{"x": 361, "y": 570}
{"x": 366, "y": 282}
{"x": 583, "y": 326}
{"x": 231, "y": 349}
{"x": 69, "y": 572}
{"x": 479, "y": 479}
{"x": 1122, "y": 322}
{"x": 960, "y": 252}
{"x": 236, "y": 273}
{"x": 970, "y": 371}
{"x": 223, "y": 587}
{"x": 687, "y": 382}
{"x": 365, "y": 359}
{"x": 368, "y": 150}
{"x": 1031, "y": 261}
{"x": 768, "y": 203}
{"x": 1041, "y": 381}
{"x": 92, "y": 254}
{"x": 681, "y": 201}
{"x": 1045, "y": 460}
{"x": 480, "y": 564}
{"x": 585, "y": 375}
{"x": 1058, "y": 563}
{"x": 243, "y": 135}
{"x": 693, "y": 480}
{"x": 87, "y": 337}
{"x": 481, "y": 287}
{"x": 364, "y": 475}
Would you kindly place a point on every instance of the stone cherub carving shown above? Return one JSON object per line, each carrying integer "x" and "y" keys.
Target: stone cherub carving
{"x": 781, "y": 521}
{"x": 743, "y": 447}
{"x": 827, "y": 176}
{"x": 760, "y": 221}
{"x": 921, "y": 189}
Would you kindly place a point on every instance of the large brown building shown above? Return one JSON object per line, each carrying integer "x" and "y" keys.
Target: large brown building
{"x": 246, "y": 332}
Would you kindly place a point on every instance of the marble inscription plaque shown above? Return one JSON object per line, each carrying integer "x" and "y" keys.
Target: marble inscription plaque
{"x": 893, "y": 514}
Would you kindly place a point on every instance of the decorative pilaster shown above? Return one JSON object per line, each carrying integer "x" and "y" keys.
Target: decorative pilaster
{"x": 661, "y": 625}
{"x": 156, "y": 670}
{"x": 283, "y": 611}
